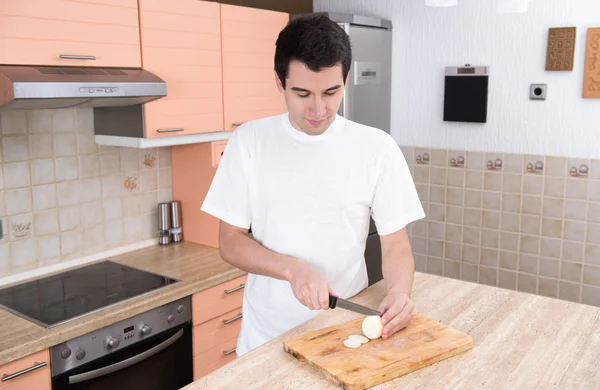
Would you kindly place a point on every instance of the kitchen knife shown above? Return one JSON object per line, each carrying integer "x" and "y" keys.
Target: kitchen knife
{"x": 355, "y": 307}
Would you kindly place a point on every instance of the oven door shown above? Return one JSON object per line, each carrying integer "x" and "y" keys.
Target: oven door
{"x": 161, "y": 362}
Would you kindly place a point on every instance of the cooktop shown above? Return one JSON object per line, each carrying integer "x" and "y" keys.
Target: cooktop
{"x": 56, "y": 299}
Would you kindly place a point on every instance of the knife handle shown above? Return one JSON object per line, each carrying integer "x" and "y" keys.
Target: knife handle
{"x": 332, "y": 301}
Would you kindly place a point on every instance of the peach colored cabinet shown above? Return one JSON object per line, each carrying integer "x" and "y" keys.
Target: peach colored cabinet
{"x": 181, "y": 43}
{"x": 38, "y": 378}
{"x": 248, "y": 46}
{"x": 71, "y": 33}
{"x": 193, "y": 169}
{"x": 217, "y": 317}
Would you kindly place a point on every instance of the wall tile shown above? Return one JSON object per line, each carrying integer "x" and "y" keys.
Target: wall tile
{"x": 15, "y": 148}
{"x": 514, "y": 163}
{"x": 528, "y": 264}
{"x": 16, "y": 175}
{"x": 594, "y": 190}
{"x": 510, "y": 222}
{"x": 453, "y": 250}
{"x": 511, "y": 203}
{"x": 489, "y": 257}
{"x": 437, "y": 194}
{"x": 454, "y": 214}
{"x": 594, "y": 212}
{"x": 149, "y": 180}
{"x": 550, "y": 247}
{"x": 455, "y": 177}
{"x": 527, "y": 283}
{"x": 452, "y": 269}
{"x": 68, "y": 218}
{"x": 492, "y": 181}
{"x": 472, "y": 217}
{"x": 71, "y": 242}
{"x": 65, "y": 144}
{"x": 91, "y": 213}
{"x": 593, "y": 233}
{"x": 13, "y": 122}
{"x": 132, "y": 226}
{"x": 512, "y": 183}
{"x": 86, "y": 144}
{"x": 573, "y": 251}
{"x": 90, "y": 189}
{"x": 439, "y": 157}
{"x": 84, "y": 120}
{"x": 453, "y": 233}
{"x": 45, "y": 222}
{"x": 556, "y": 166}
{"x": 592, "y": 254}
{"x": 591, "y": 295}
{"x": 571, "y": 272}
{"x": 577, "y": 189}
{"x": 469, "y": 272}
{"x": 507, "y": 279}
{"x": 68, "y": 193}
{"x": 493, "y": 159}
{"x": 42, "y": 172}
{"x": 112, "y": 209}
{"x": 474, "y": 161}
{"x": 111, "y": 187}
{"x": 164, "y": 157}
{"x": 20, "y": 227}
{"x": 435, "y": 248}
{"x": 129, "y": 161}
{"x": 531, "y": 205}
{"x": 89, "y": 166}
{"x": 41, "y": 146}
{"x": 554, "y": 187}
{"x": 421, "y": 173}
{"x": 419, "y": 228}
{"x": 548, "y": 287}
{"x": 509, "y": 260}
{"x": 473, "y": 198}
{"x": 21, "y": 255}
{"x": 67, "y": 168}
{"x": 437, "y": 212}
{"x": 150, "y": 202}
{"x": 569, "y": 291}
{"x": 110, "y": 164}
{"x": 574, "y": 231}
{"x": 509, "y": 241}
{"x": 488, "y": 276}
{"x": 18, "y": 201}
{"x": 434, "y": 265}
{"x": 64, "y": 120}
{"x": 553, "y": 207}
{"x": 44, "y": 197}
{"x": 552, "y": 227}
{"x": 491, "y": 219}
{"x": 490, "y": 238}
{"x": 131, "y": 206}
{"x": 39, "y": 121}
{"x": 420, "y": 263}
{"x": 595, "y": 170}
{"x": 533, "y": 185}
{"x": 113, "y": 232}
{"x": 474, "y": 180}
{"x": 549, "y": 267}
{"x": 471, "y": 254}
{"x": 471, "y": 235}
{"x": 48, "y": 246}
{"x": 530, "y": 245}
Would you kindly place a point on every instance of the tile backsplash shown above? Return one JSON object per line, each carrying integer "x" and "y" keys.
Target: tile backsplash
{"x": 522, "y": 222}
{"x": 63, "y": 197}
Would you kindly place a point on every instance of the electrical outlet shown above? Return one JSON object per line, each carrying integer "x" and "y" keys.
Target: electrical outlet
{"x": 538, "y": 91}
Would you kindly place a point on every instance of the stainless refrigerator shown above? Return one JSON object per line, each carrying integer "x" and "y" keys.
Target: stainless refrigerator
{"x": 367, "y": 98}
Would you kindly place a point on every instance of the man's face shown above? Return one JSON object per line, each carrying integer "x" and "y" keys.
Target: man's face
{"x": 312, "y": 98}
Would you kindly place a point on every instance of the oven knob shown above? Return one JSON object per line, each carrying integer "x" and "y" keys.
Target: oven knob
{"x": 170, "y": 318}
{"x": 80, "y": 354}
{"x": 112, "y": 342}
{"x": 180, "y": 309}
{"x": 66, "y": 353}
{"x": 146, "y": 330}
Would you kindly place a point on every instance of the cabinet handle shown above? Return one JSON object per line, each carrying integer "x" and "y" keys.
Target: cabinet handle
{"x": 77, "y": 57}
{"x": 238, "y": 124}
{"x": 171, "y": 130}
{"x": 25, "y": 371}
{"x": 230, "y": 351}
{"x": 233, "y": 319}
{"x": 241, "y": 286}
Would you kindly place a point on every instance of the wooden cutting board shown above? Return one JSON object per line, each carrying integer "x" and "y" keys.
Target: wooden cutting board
{"x": 424, "y": 342}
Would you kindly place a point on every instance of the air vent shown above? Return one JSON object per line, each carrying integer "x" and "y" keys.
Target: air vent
{"x": 80, "y": 71}
{"x": 47, "y": 70}
{"x": 115, "y": 72}
{"x": 73, "y": 71}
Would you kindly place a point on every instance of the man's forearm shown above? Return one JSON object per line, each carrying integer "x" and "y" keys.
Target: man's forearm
{"x": 398, "y": 264}
{"x": 241, "y": 251}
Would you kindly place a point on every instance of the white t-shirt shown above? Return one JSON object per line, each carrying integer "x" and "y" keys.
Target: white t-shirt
{"x": 309, "y": 197}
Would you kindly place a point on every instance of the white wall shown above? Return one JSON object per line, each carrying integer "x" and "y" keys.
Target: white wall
{"x": 514, "y": 46}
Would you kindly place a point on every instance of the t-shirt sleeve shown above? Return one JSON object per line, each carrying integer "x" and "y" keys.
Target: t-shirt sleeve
{"x": 395, "y": 202}
{"x": 228, "y": 196}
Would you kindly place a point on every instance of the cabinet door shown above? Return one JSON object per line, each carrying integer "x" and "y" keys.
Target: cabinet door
{"x": 38, "y": 379}
{"x": 248, "y": 45}
{"x": 181, "y": 43}
{"x": 71, "y": 33}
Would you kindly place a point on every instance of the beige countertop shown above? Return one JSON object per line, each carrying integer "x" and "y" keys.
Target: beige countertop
{"x": 198, "y": 267}
{"x": 520, "y": 341}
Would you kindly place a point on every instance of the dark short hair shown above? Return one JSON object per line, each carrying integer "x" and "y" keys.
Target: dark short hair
{"x": 314, "y": 40}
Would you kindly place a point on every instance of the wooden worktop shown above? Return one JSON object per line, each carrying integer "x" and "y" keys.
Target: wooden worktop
{"x": 520, "y": 341}
{"x": 198, "y": 267}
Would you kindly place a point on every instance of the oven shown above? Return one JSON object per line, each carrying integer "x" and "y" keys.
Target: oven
{"x": 151, "y": 351}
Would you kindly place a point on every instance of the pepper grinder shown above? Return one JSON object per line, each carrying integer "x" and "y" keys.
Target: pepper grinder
{"x": 164, "y": 223}
{"x": 176, "y": 229}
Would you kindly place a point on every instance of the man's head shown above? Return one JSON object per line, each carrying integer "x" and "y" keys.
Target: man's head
{"x": 312, "y": 61}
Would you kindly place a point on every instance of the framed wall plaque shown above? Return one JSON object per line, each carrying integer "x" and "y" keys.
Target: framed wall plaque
{"x": 561, "y": 48}
{"x": 591, "y": 74}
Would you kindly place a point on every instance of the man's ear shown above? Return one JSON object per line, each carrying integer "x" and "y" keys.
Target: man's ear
{"x": 278, "y": 82}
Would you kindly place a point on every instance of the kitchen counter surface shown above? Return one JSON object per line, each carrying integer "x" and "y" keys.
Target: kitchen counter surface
{"x": 197, "y": 266}
{"x": 520, "y": 341}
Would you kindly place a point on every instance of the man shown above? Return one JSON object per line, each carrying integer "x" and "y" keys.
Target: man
{"x": 307, "y": 182}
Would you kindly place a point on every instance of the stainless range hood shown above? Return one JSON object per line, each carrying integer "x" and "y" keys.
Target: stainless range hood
{"x": 32, "y": 87}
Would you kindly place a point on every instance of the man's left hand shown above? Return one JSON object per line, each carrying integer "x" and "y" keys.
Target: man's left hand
{"x": 397, "y": 309}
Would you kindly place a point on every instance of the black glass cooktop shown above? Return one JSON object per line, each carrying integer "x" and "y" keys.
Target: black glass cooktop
{"x": 58, "y": 298}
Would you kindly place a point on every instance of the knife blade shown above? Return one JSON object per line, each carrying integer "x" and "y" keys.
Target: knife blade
{"x": 355, "y": 307}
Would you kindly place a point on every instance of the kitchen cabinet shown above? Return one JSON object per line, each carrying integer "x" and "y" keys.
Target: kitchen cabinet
{"x": 34, "y": 370}
{"x": 291, "y": 7}
{"x": 216, "y": 316}
{"x": 248, "y": 47}
{"x": 181, "y": 43}
{"x": 103, "y": 33}
{"x": 193, "y": 169}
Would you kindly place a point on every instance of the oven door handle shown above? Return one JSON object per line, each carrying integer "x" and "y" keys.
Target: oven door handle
{"x": 86, "y": 376}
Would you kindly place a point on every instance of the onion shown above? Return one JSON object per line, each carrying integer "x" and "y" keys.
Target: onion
{"x": 372, "y": 327}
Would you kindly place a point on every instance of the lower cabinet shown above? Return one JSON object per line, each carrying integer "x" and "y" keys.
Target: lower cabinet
{"x": 217, "y": 318}
{"x": 30, "y": 372}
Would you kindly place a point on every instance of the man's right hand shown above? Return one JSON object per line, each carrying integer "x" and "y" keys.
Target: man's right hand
{"x": 309, "y": 286}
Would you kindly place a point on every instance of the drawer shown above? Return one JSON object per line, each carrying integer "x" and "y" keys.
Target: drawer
{"x": 38, "y": 379}
{"x": 217, "y": 152}
{"x": 216, "y": 331}
{"x": 216, "y": 357}
{"x": 218, "y": 300}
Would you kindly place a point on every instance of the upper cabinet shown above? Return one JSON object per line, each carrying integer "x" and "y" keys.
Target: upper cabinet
{"x": 181, "y": 43}
{"x": 70, "y": 33}
{"x": 248, "y": 47}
